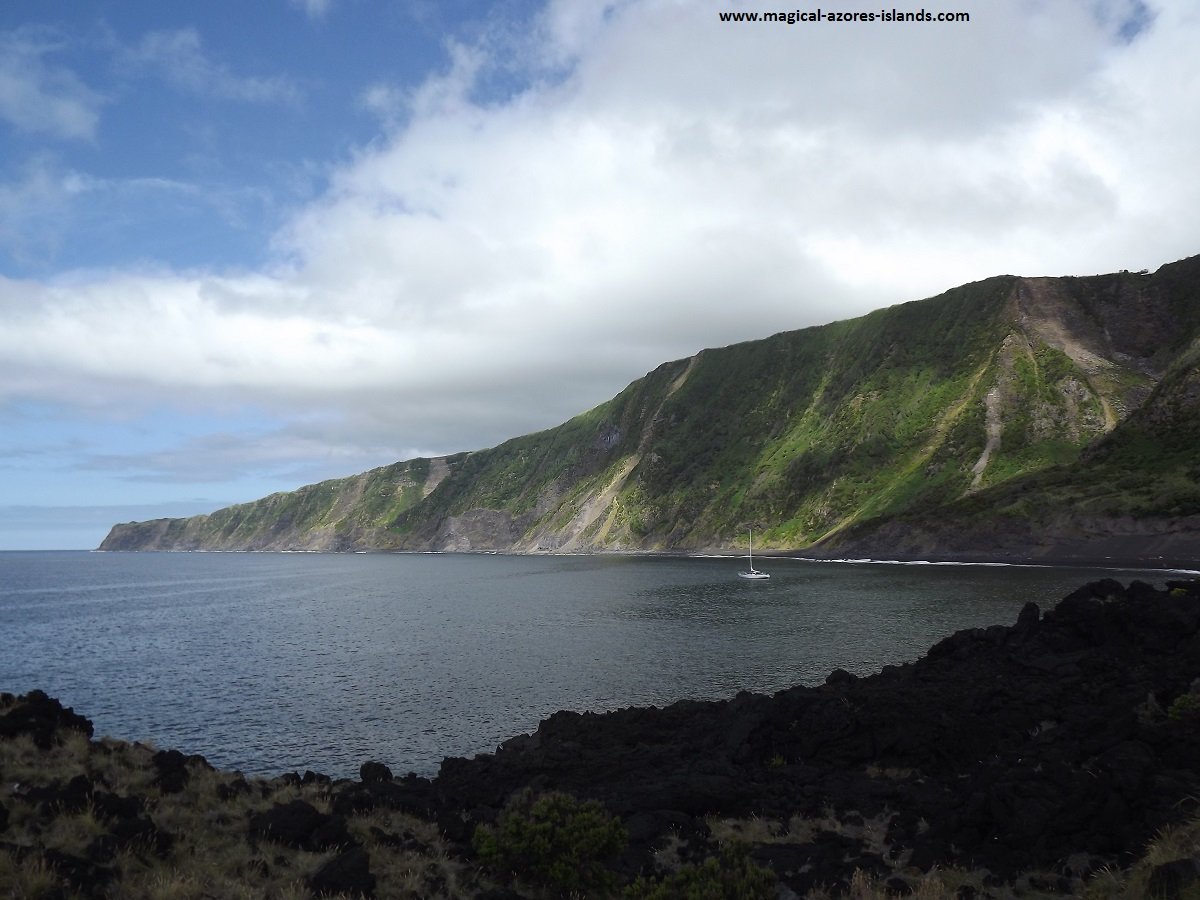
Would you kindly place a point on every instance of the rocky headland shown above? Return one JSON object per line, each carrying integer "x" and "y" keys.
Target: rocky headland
{"x": 1057, "y": 756}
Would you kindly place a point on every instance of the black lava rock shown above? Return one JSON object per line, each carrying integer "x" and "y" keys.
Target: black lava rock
{"x": 1173, "y": 879}
{"x": 347, "y": 873}
{"x": 42, "y": 717}
{"x": 299, "y": 824}
{"x": 374, "y": 773}
{"x": 171, "y": 766}
{"x": 1008, "y": 748}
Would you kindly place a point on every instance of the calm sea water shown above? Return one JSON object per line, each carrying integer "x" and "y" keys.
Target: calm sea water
{"x": 270, "y": 662}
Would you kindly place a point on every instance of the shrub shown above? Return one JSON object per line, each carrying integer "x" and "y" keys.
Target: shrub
{"x": 1186, "y": 708}
{"x": 554, "y": 839}
{"x": 731, "y": 876}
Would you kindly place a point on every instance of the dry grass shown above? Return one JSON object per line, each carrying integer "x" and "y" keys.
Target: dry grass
{"x": 427, "y": 870}
{"x": 667, "y": 857}
{"x": 890, "y": 773}
{"x": 1107, "y": 883}
{"x": 1179, "y": 842}
{"x": 211, "y": 855}
{"x": 26, "y": 880}
{"x": 871, "y": 833}
{"x": 750, "y": 831}
{"x": 25, "y": 764}
{"x": 936, "y": 885}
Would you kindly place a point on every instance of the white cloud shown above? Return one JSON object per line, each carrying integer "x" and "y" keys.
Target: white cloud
{"x": 387, "y": 102}
{"x": 29, "y": 207}
{"x": 181, "y": 57}
{"x": 39, "y": 97}
{"x": 666, "y": 183}
{"x": 45, "y": 206}
{"x": 314, "y": 9}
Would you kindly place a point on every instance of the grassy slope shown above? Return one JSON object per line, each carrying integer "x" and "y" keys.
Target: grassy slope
{"x": 803, "y": 430}
{"x": 1146, "y": 470}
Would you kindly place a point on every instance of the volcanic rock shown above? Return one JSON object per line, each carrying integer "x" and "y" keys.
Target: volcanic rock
{"x": 1008, "y": 748}
{"x": 299, "y": 824}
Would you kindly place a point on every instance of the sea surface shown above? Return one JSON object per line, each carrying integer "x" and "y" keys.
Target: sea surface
{"x": 277, "y": 662}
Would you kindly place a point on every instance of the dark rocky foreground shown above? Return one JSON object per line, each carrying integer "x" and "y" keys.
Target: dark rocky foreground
{"x": 1026, "y": 757}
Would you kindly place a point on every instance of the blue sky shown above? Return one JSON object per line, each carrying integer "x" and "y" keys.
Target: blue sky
{"x": 244, "y": 247}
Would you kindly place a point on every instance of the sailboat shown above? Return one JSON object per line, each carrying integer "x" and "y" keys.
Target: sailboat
{"x": 753, "y": 573}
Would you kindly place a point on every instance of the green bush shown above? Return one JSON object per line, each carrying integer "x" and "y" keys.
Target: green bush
{"x": 554, "y": 839}
{"x": 732, "y": 876}
{"x": 1186, "y": 708}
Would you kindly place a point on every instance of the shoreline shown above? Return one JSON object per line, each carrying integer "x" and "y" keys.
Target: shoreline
{"x": 1180, "y": 565}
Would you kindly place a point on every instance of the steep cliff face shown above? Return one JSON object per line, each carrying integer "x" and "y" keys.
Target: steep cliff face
{"x": 344, "y": 514}
{"x": 941, "y": 425}
{"x": 1134, "y": 494}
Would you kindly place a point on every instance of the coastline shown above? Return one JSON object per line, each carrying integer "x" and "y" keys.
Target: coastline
{"x": 1172, "y": 564}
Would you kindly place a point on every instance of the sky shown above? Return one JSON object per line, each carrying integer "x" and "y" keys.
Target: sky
{"x": 247, "y": 247}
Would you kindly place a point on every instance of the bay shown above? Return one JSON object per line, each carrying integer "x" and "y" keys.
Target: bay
{"x": 274, "y": 662}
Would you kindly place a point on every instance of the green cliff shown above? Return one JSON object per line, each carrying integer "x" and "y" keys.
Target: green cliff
{"x": 1008, "y": 417}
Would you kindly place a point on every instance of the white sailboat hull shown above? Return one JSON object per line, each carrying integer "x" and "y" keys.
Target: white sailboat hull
{"x": 753, "y": 573}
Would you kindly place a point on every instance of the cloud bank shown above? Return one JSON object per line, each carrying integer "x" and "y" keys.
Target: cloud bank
{"x": 656, "y": 182}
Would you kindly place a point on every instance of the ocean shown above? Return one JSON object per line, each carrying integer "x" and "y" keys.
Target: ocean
{"x": 276, "y": 662}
